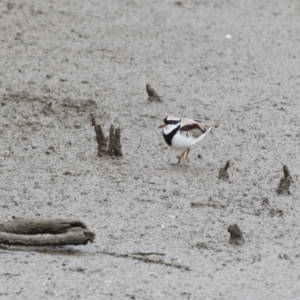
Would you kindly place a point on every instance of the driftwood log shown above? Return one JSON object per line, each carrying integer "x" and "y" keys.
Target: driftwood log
{"x": 45, "y": 232}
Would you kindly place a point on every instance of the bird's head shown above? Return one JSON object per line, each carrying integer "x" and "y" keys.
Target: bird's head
{"x": 170, "y": 123}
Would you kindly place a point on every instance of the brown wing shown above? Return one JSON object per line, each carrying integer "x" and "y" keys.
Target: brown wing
{"x": 194, "y": 130}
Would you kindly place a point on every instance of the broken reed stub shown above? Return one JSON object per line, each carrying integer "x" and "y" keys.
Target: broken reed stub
{"x": 285, "y": 182}
{"x": 45, "y": 232}
{"x": 153, "y": 96}
{"x": 223, "y": 174}
{"x": 107, "y": 146}
{"x": 236, "y": 235}
{"x": 114, "y": 145}
{"x": 101, "y": 139}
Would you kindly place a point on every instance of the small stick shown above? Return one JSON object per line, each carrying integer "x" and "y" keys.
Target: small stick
{"x": 147, "y": 260}
{"x": 285, "y": 182}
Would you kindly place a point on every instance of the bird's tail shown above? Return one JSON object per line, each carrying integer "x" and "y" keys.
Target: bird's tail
{"x": 212, "y": 126}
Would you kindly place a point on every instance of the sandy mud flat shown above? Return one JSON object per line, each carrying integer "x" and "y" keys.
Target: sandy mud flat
{"x": 161, "y": 229}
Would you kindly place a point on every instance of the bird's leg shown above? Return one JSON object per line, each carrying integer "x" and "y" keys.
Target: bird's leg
{"x": 183, "y": 158}
{"x": 188, "y": 152}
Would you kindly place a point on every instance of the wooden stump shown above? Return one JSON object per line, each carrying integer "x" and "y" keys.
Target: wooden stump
{"x": 153, "y": 96}
{"x": 114, "y": 145}
{"x": 236, "y": 235}
{"x": 223, "y": 173}
{"x": 114, "y": 141}
{"x": 101, "y": 139}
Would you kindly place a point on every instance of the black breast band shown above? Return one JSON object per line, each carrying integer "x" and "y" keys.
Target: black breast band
{"x": 168, "y": 137}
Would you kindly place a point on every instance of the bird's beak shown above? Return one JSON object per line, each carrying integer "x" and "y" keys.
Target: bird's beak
{"x": 162, "y": 125}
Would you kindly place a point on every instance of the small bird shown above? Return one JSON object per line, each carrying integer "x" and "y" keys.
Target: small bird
{"x": 184, "y": 133}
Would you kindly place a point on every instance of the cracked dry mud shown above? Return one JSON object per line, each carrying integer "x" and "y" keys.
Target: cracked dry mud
{"x": 235, "y": 62}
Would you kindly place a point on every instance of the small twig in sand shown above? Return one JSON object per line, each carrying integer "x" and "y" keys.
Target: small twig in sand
{"x": 216, "y": 205}
{"x": 285, "y": 182}
{"x": 146, "y": 260}
{"x": 236, "y": 235}
{"x": 153, "y": 96}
